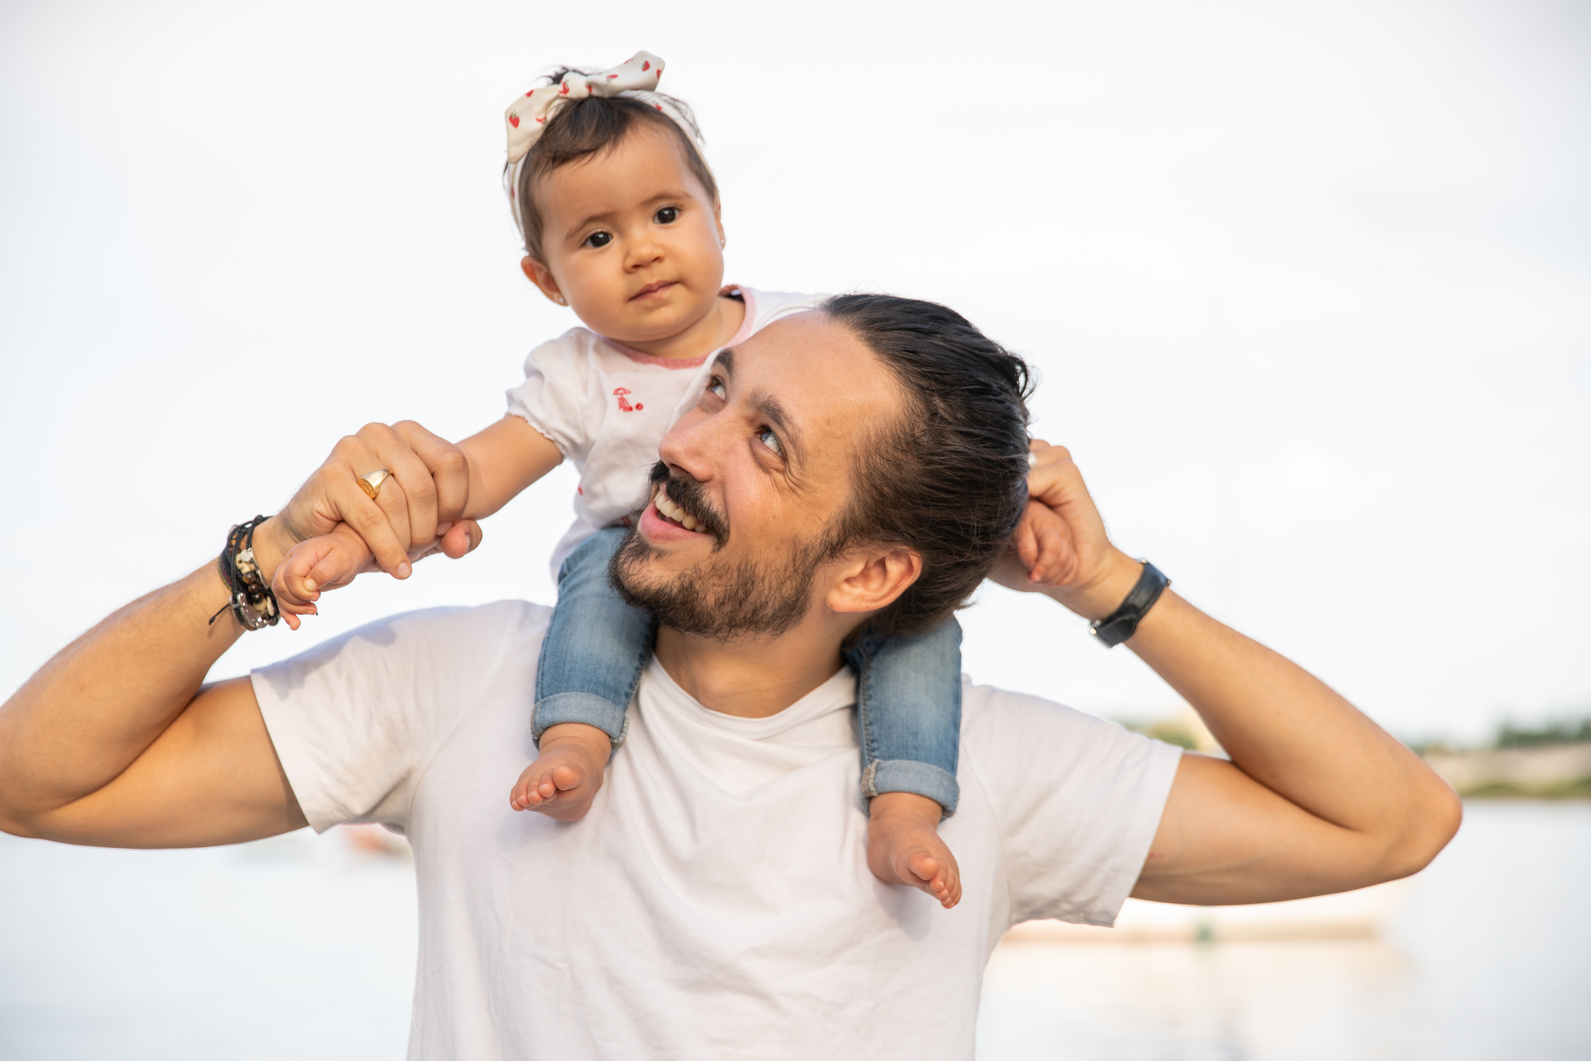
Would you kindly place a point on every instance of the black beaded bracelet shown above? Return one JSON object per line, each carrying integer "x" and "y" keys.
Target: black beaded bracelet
{"x": 252, "y": 602}
{"x": 1122, "y": 623}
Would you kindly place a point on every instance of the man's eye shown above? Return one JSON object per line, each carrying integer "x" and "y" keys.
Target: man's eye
{"x": 598, "y": 239}
{"x": 715, "y": 386}
{"x": 766, "y": 436}
{"x": 667, "y": 215}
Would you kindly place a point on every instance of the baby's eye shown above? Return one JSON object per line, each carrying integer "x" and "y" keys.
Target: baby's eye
{"x": 766, "y": 436}
{"x": 598, "y": 239}
{"x": 666, "y": 215}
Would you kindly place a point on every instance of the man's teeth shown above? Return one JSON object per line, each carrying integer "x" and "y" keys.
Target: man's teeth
{"x": 666, "y": 506}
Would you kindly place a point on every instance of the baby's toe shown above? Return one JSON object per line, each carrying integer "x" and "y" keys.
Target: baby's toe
{"x": 566, "y": 778}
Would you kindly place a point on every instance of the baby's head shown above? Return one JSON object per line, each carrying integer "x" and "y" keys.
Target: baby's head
{"x": 617, "y": 206}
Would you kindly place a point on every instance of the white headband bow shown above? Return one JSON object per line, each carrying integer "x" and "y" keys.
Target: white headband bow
{"x": 527, "y": 116}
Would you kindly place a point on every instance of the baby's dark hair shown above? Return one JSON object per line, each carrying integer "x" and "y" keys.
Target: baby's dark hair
{"x": 590, "y": 126}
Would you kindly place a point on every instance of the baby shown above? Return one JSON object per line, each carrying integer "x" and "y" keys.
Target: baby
{"x": 620, "y": 218}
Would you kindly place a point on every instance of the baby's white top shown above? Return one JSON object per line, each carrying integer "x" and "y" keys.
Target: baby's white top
{"x": 606, "y": 407}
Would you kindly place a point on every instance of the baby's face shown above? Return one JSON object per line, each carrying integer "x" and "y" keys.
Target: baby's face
{"x": 632, "y": 239}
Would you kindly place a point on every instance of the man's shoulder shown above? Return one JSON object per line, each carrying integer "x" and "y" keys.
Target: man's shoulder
{"x": 996, "y": 714}
{"x": 1008, "y": 734}
{"x": 432, "y": 640}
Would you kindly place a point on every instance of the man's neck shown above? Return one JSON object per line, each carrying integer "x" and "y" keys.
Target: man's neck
{"x": 751, "y": 678}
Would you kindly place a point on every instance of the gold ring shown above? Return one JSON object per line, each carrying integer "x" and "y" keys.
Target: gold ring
{"x": 371, "y": 484}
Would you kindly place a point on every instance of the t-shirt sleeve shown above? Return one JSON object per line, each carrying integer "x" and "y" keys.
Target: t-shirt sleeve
{"x": 556, "y": 393}
{"x": 356, "y": 720}
{"x": 1076, "y": 800}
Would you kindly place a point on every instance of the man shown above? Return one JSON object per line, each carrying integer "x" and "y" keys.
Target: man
{"x": 716, "y": 900}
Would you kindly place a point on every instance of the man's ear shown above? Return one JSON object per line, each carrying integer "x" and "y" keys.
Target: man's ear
{"x": 873, "y": 579}
{"x": 542, "y": 277}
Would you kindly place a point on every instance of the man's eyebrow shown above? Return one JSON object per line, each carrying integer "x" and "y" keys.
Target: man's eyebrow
{"x": 770, "y": 408}
{"x": 773, "y": 410}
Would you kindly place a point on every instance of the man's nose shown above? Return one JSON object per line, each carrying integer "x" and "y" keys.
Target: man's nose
{"x": 693, "y": 446}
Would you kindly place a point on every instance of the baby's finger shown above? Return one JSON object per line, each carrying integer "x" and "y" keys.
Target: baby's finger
{"x": 287, "y": 584}
{"x": 1056, "y": 554}
{"x": 335, "y": 568}
{"x": 461, "y": 538}
{"x": 1027, "y": 546}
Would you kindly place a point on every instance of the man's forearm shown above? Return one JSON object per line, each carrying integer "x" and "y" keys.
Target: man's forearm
{"x": 1378, "y": 811}
{"x": 1280, "y": 724}
{"x": 100, "y": 702}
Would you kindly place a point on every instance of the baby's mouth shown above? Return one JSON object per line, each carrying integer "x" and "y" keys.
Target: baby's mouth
{"x": 652, "y": 288}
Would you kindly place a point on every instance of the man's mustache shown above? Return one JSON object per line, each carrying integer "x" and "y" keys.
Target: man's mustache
{"x": 689, "y": 495}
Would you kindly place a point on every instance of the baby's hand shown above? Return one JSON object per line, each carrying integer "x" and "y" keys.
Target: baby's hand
{"x": 317, "y": 564}
{"x": 1044, "y": 545}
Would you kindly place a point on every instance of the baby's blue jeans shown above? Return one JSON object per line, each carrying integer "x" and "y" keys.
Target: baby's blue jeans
{"x": 908, "y": 689}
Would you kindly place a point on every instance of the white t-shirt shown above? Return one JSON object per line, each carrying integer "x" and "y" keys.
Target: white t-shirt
{"x": 716, "y": 902}
{"x": 606, "y": 407}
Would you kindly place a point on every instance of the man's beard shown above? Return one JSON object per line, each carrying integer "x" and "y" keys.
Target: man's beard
{"x": 719, "y": 599}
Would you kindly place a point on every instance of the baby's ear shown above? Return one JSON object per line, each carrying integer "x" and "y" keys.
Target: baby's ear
{"x": 542, "y": 277}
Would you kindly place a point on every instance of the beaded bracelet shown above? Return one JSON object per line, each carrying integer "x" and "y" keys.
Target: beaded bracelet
{"x": 252, "y": 602}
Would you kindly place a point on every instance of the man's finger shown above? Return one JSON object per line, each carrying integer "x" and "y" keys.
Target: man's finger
{"x": 449, "y": 468}
{"x": 373, "y": 521}
{"x": 416, "y": 526}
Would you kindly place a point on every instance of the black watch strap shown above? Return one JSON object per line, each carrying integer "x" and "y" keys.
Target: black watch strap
{"x": 1122, "y": 623}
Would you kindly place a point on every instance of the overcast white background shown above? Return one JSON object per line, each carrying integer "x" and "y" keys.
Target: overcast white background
{"x": 1308, "y": 285}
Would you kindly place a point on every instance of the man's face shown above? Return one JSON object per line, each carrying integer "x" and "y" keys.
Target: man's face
{"x": 759, "y": 473}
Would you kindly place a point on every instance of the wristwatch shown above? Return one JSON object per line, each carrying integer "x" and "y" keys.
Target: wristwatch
{"x": 1122, "y": 623}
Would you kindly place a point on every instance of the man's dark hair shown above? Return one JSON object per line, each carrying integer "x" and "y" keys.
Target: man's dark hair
{"x": 584, "y": 127}
{"x": 947, "y": 476}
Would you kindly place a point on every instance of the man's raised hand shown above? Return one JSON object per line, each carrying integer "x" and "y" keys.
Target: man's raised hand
{"x": 417, "y": 511}
{"x": 1060, "y": 546}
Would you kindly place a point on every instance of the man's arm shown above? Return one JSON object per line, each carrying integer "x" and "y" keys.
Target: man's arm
{"x": 116, "y": 742}
{"x": 1316, "y": 798}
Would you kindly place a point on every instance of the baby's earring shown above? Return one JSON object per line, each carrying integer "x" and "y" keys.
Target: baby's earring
{"x": 722, "y": 243}
{"x": 561, "y": 300}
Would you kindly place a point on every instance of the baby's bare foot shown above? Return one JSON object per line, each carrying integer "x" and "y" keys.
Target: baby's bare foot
{"x": 565, "y": 777}
{"x": 903, "y": 846}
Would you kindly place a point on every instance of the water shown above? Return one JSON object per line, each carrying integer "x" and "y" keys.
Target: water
{"x": 302, "y": 947}
{"x": 1490, "y": 957}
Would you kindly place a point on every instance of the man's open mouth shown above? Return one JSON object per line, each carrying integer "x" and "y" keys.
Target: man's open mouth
{"x": 672, "y": 512}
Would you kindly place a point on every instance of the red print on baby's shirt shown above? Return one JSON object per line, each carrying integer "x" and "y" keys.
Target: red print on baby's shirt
{"x": 624, "y": 405}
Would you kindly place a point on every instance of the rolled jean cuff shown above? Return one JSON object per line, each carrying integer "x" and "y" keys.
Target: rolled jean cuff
{"x": 907, "y": 775}
{"x": 585, "y": 708}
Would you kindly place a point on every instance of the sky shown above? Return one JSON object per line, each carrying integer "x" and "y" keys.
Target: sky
{"x": 1308, "y": 287}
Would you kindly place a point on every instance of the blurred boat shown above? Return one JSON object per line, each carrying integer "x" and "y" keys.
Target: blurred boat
{"x": 1358, "y": 914}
